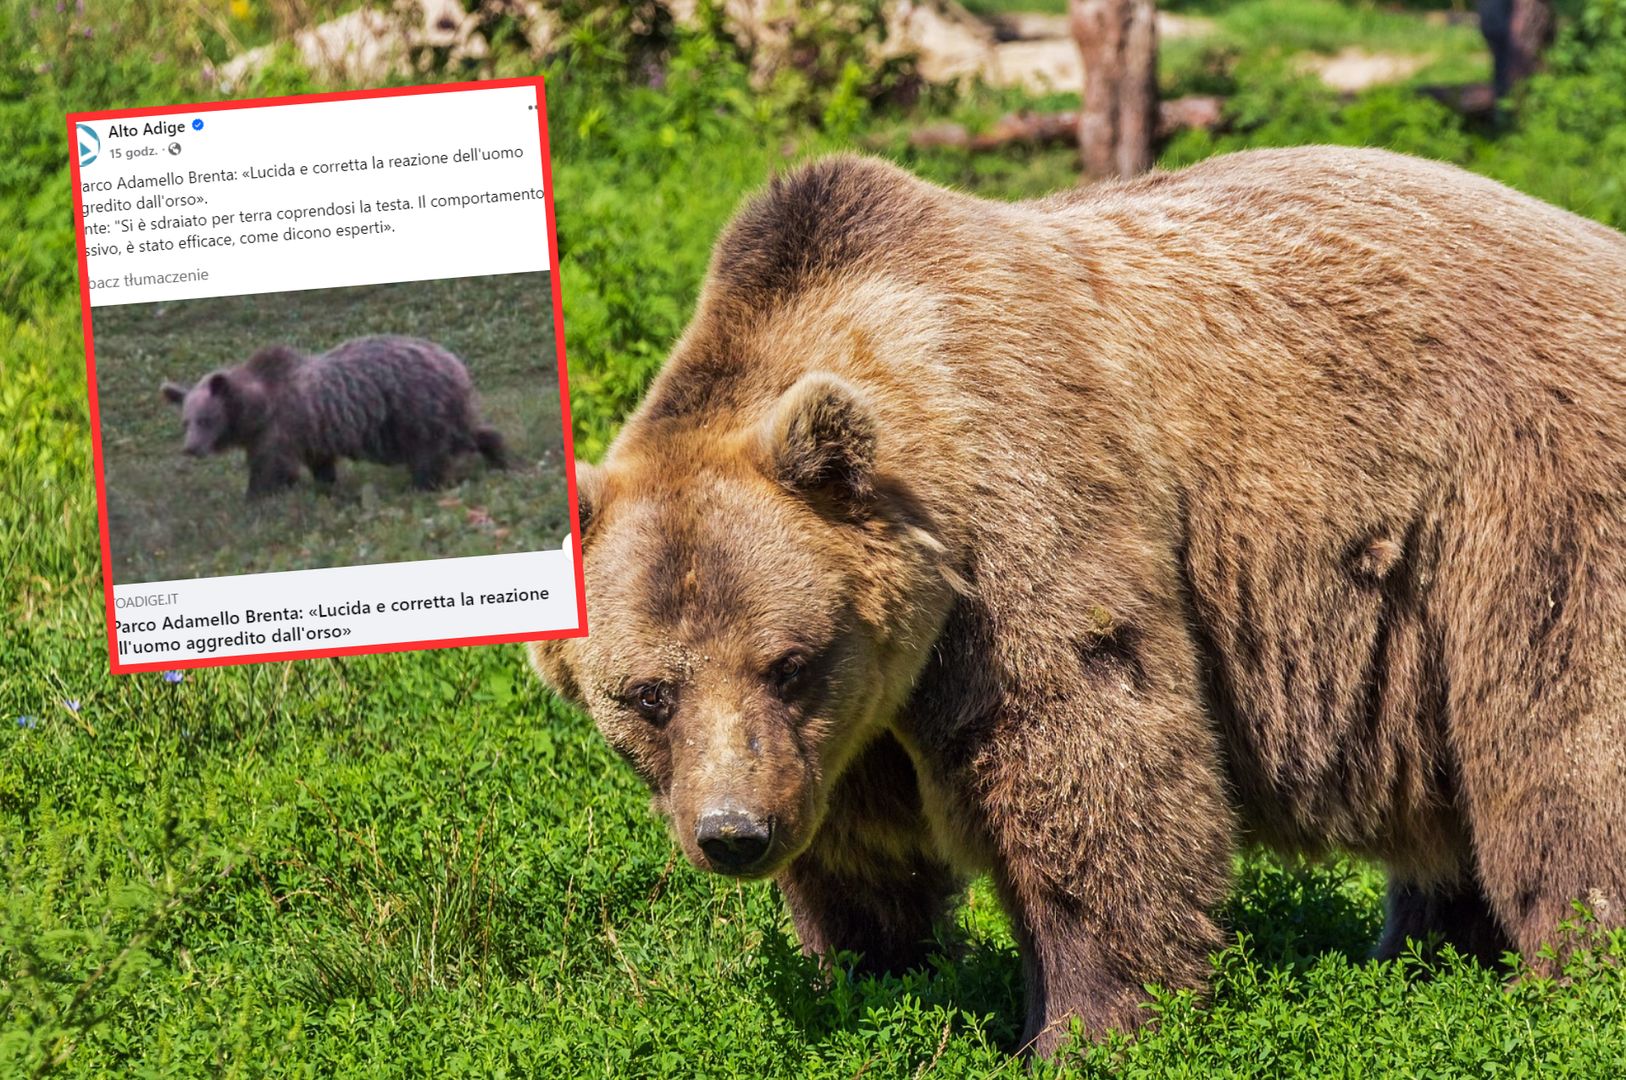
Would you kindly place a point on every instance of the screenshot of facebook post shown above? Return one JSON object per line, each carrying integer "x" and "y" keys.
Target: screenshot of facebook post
{"x": 327, "y": 384}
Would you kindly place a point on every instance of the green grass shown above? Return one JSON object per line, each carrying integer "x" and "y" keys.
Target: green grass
{"x": 1004, "y": 7}
{"x": 173, "y": 517}
{"x": 421, "y": 865}
{"x": 1290, "y": 29}
{"x": 1287, "y": 30}
{"x": 1327, "y": 26}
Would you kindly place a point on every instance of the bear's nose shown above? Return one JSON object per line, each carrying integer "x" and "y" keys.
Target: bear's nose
{"x": 733, "y": 842}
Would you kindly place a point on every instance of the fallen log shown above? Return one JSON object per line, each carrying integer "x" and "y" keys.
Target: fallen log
{"x": 1202, "y": 112}
{"x": 1034, "y": 128}
{"x": 1061, "y": 128}
{"x": 1476, "y": 101}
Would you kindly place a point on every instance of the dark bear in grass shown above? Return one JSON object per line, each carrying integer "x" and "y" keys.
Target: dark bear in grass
{"x": 393, "y": 400}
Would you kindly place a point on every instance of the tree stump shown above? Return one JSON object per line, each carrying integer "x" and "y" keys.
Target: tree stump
{"x": 1117, "y": 40}
{"x": 1518, "y": 32}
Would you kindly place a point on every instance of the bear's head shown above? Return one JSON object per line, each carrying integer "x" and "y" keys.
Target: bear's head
{"x": 762, "y": 597}
{"x": 217, "y": 413}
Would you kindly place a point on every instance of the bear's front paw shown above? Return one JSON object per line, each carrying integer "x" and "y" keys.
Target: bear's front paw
{"x": 1052, "y": 1029}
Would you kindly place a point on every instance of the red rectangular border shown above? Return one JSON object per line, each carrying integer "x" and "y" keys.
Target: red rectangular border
{"x": 73, "y": 119}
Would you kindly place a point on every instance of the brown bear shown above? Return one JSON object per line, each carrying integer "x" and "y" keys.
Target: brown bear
{"x": 393, "y": 400}
{"x": 1279, "y": 499}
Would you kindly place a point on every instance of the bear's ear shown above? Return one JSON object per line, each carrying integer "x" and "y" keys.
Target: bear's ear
{"x": 173, "y": 392}
{"x": 589, "y": 490}
{"x": 820, "y": 440}
{"x": 549, "y": 663}
{"x": 219, "y": 385}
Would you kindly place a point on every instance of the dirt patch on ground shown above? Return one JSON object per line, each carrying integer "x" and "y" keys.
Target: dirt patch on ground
{"x": 1351, "y": 70}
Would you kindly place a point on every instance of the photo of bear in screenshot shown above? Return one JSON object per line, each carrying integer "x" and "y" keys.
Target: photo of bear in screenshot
{"x": 380, "y": 423}
{"x": 380, "y": 398}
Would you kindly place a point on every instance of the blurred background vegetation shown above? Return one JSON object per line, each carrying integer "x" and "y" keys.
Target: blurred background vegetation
{"x": 421, "y": 864}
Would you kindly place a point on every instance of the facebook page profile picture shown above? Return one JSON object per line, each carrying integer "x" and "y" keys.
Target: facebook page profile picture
{"x": 90, "y": 144}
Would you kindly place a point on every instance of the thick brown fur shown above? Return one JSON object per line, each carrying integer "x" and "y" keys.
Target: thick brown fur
{"x": 384, "y": 398}
{"x": 1282, "y": 498}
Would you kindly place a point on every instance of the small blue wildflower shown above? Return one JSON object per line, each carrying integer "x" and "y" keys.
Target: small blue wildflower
{"x": 71, "y": 704}
{"x": 173, "y": 677}
{"x": 27, "y": 722}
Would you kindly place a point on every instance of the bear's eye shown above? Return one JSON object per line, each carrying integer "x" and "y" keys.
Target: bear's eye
{"x": 653, "y": 701}
{"x": 787, "y": 671}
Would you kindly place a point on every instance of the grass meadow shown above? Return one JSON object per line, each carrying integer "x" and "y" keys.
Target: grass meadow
{"x": 172, "y": 517}
{"x": 423, "y": 866}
